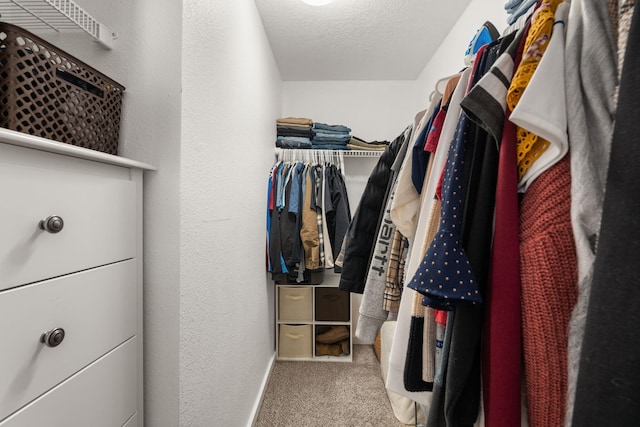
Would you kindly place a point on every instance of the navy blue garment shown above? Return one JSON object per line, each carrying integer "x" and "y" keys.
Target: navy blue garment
{"x": 445, "y": 276}
{"x": 340, "y": 211}
{"x": 278, "y": 263}
{"x": 288, "y": 223}
{"x": 293, "y": 142}
{"x": 294, "y": 131}
{"x": 420, "y": 158}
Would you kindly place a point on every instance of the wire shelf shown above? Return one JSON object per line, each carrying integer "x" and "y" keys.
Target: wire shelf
{"x": 57, "y": 15}
{"x": 363, "y": 153}
{"x": 345, "y": 153}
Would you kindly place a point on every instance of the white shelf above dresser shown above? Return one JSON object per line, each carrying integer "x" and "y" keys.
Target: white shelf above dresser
{"x": 30, "y": 141}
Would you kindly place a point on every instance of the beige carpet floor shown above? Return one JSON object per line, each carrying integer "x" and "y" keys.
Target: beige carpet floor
{"x": 327, "y": 394}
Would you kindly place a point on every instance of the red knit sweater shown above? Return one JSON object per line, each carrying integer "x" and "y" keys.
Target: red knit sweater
{"x": 548, "y": 273}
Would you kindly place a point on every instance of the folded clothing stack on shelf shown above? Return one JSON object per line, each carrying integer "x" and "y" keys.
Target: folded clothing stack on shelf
{"x": 356, "y": 143}
{"x": 294, "y": 132}
{"x": 330, "y": 137}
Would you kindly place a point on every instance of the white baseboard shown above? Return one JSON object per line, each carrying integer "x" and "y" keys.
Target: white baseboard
{"x": 263, "y": 388}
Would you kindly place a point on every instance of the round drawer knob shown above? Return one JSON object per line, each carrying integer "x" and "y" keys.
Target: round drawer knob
{"x": 52, "y": 224}
{"x": 53, "y": 338}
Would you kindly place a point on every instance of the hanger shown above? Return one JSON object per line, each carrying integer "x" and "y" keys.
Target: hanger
{"x": 318, "y": 157}
{"x": 441, "y": 84}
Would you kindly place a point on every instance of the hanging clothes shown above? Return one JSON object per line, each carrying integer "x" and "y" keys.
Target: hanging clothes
{"x": 608, "y": 385}
{"x": 395, "y": 273}
{"x": 591, "y": 79}
{"x": 308, "y": 215}
{"x": 462, "y": 391}
{"x": 500, "y": 226}
{"x": 395, "y": 376}
{"x": 309, "y": 231}
{"x": 372, "y": 313}
{"x": 541, "y": 111}
{"x": 406, "y": 202}
{"x": 366, "y": 221}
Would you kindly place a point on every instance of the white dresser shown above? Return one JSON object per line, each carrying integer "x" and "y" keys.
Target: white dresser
{"x": 70, "y": 286}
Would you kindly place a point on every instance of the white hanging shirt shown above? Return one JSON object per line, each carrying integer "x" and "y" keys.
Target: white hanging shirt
{"x": 542, "y": 107}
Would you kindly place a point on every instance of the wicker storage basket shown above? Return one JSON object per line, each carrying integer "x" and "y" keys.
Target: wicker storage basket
{"x": 48, "y": 93}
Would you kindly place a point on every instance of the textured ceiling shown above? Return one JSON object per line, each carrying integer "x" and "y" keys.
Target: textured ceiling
{"x": 356, "y": 39}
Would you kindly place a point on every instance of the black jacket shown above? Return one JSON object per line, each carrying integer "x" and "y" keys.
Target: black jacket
{"x": 363, "y": 228}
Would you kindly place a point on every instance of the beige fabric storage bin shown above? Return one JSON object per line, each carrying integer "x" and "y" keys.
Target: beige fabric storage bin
{"x": 295, "y": 341}
{"x": 295, "y": 304}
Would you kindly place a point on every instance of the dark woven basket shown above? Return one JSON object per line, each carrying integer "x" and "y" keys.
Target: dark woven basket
{"x": 48, "y": 93}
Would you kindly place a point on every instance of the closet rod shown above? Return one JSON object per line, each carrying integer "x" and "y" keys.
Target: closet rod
{"x": 335, "y": 157}
{"x": 345, "y": 153}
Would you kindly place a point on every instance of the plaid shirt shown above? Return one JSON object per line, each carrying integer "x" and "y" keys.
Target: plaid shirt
{"x": 395, "y": 273}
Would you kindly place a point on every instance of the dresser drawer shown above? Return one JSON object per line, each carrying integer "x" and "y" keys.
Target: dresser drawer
{"x": 99, "y": 217}
{"x": 101, "y": 395}
{"x": 96, "y": 309}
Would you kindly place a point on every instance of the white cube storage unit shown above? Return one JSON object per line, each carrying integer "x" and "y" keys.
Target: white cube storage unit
{"x": 303, "y": 313}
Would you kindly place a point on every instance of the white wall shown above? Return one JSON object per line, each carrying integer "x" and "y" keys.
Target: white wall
{"x": 202, "y": 95}
{"x": 374, "y": 110}
{"x": 231, "y": 99}
{"x": 449, "y": 58}
{"x": 146, "y": 60}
